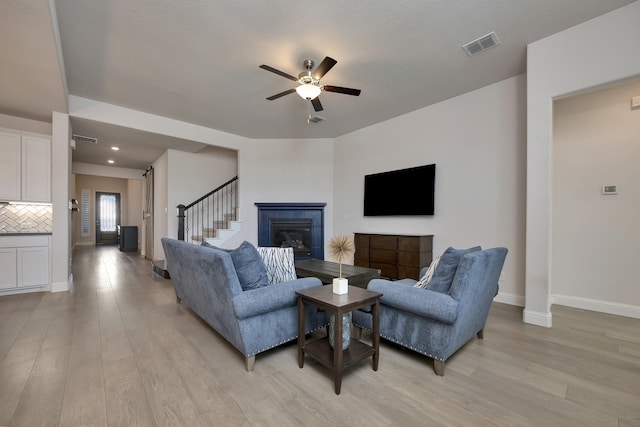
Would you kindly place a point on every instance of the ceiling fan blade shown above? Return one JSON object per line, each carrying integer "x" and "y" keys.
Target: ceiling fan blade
{"x": 345, "y": 90}
{"x": 278, "y": 72}
{"x": 322, "y": 69}
{"x": 316, "y": 104}
{"x": 281, "y": 94}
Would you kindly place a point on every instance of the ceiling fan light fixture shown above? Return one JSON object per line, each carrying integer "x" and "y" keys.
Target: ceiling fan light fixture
{"x": 308, "y": 91}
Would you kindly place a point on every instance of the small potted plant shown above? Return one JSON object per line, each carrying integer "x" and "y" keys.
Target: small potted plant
{"x": 340, "y": 248}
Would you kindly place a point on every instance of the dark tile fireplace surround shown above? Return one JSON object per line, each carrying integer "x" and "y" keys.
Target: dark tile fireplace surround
{"x": 296, "y": 225}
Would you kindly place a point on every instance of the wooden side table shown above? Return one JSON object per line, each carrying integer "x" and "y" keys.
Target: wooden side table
{"x": 324, "y": 298}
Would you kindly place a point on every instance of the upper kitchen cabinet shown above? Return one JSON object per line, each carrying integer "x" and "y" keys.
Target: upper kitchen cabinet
{"x": 10, "y": 169}
{"x": 25, "y": 167}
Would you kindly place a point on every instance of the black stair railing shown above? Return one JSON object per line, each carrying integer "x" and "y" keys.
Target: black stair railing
{"x": 201, "y": 219}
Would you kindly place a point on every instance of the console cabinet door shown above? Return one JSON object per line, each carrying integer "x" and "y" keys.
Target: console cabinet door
{"x": 8, "y": 277}
{"x": 33, "y": 266}
{"x": 9, "y": 166}
{"x": 36, "y": 169}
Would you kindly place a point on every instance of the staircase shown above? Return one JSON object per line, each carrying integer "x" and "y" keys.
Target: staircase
{"x": 212, "y": 218}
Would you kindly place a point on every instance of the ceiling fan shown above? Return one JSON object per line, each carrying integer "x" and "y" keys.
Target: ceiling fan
{"x": 309, "y": 86}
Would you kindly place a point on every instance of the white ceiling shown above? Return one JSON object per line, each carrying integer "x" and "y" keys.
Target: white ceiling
{"x": 197, "y": 60}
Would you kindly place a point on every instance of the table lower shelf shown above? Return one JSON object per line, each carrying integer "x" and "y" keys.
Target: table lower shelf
{"x": 323, "y": 353}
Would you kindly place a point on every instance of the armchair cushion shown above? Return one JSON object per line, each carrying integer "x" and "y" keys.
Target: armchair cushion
{"x": 279, "y": 263}
{"x": 422, "y": 302}
{"x": 446, "y": 269}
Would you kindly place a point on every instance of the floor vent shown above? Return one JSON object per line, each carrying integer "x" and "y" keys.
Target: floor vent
{"x": 481, "y": 44}
{"x": 85, "y": 139}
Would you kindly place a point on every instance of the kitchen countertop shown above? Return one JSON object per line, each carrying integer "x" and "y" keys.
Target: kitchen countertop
{"x": 25, "y": 234}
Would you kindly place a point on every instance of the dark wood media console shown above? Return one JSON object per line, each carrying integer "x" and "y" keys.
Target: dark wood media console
{"x": 397, "y": 256}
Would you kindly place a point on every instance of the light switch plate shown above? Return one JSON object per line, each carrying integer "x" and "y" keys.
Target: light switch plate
{"x": 609, "y": 189}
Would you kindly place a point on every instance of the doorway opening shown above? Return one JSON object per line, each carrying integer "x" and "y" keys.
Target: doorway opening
{"x": 107, "y": 218}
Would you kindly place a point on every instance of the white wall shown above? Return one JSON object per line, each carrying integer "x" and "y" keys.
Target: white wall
{"x": 110, "y": 171}
{"x": 287, "y": 170}
{"x": 61, "y": 279}
{"x": 594, "y": 53}
{"x": 477, "y": 142}
{"x": 191, "y": 176}
{"x": 596, "y": 237}
{"x": 160, "y": 204}
{"x": 134, "y": 206}
{"x": 18, "y": 123}
{"x": 101, "y": 184}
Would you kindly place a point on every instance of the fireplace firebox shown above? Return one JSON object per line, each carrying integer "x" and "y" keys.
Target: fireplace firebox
{"x": 296, "y": 225}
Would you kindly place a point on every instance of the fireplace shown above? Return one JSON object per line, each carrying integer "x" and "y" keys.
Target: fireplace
{"x": 296, "y": 225}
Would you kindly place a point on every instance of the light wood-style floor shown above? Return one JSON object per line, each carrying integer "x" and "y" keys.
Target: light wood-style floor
{"x": 119, "y": 351}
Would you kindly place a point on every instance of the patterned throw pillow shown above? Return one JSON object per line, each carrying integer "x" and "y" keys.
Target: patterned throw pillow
{"x": 279, "y": 263}
{"x": 423, "y": 283}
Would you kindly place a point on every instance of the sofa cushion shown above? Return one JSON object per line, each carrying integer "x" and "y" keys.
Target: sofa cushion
{"x": 446, "y": 269}
{"x": 424, "y": 281}
{"x": 248, "y": 263}
{"x": 279, "y": 263}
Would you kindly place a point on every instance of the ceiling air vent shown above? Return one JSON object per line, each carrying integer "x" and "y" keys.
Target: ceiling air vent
{"x": 315, "y": 119}
{"x": 85, "y": 139}
{"x": 481, "y": 44}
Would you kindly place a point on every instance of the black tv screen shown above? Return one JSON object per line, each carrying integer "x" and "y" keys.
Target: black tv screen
{"x": 400, "y": 192}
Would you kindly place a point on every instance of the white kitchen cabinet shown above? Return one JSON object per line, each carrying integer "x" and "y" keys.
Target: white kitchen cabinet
{"x": 32, "y": 266}
{"x": 36, "y": 169}
{"x": 25, "y": 167}
{"x": 24, "y": 264}
{"x": 10, "y": 168}
{"x": 8, "y": 272}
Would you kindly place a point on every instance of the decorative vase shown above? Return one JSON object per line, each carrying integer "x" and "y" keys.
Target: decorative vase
{"x": 340, "y": 286}
{"x": 346, "y": 330}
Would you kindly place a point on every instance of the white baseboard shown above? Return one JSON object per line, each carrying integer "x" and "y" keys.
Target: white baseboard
{"x": 597, "y": 305}
{"x": 60, "y": 287}
{"x": 536, "y": 318}
{"x": 14, "y": 291}
{"x": 511, "y": 299}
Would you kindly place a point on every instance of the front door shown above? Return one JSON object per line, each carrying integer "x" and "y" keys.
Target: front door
{"x": 107, "y": 218}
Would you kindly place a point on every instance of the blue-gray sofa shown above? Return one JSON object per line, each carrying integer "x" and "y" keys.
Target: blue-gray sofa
{"x": 438, "y": 322}
{"x": 252, "y": 320}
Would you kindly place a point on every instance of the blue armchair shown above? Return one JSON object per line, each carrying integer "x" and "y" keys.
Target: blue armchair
{"x": 438, "y": 323}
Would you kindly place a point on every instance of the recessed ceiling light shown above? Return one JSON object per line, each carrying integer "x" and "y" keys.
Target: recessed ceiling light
{"x": 110, "y": 161}
{"x": 115, "y": 148}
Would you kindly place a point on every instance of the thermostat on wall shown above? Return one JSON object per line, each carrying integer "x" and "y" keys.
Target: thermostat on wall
{"x": 609, "y": 189}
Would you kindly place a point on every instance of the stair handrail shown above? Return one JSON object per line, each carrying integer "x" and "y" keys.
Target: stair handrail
{"x": 235, "y": 178}
{"x": 182, "y": 208}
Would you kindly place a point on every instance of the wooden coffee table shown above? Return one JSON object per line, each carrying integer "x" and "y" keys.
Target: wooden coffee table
{"x": 326, "y": 271}
{"x": 324, "y": 298}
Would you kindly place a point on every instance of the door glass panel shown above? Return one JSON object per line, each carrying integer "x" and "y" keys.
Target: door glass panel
{"x": 108, "y": 212}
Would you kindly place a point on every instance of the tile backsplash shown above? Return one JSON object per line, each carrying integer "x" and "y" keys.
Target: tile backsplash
{"x": 26, "y": 219}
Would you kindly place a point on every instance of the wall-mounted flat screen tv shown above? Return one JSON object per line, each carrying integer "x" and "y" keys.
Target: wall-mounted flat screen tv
{"x": 400, "y": 192}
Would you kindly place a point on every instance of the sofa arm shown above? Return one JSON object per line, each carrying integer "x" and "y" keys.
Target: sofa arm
{"x": 422, "y": 302}
{"x": 270, "y": 298}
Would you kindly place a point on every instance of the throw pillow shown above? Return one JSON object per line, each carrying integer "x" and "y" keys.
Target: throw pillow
{"x": 279, "y": 263}
{"x": 445, "y": 271}
{"x": 250, "y": 269}
{"x": 423, "y": 283}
